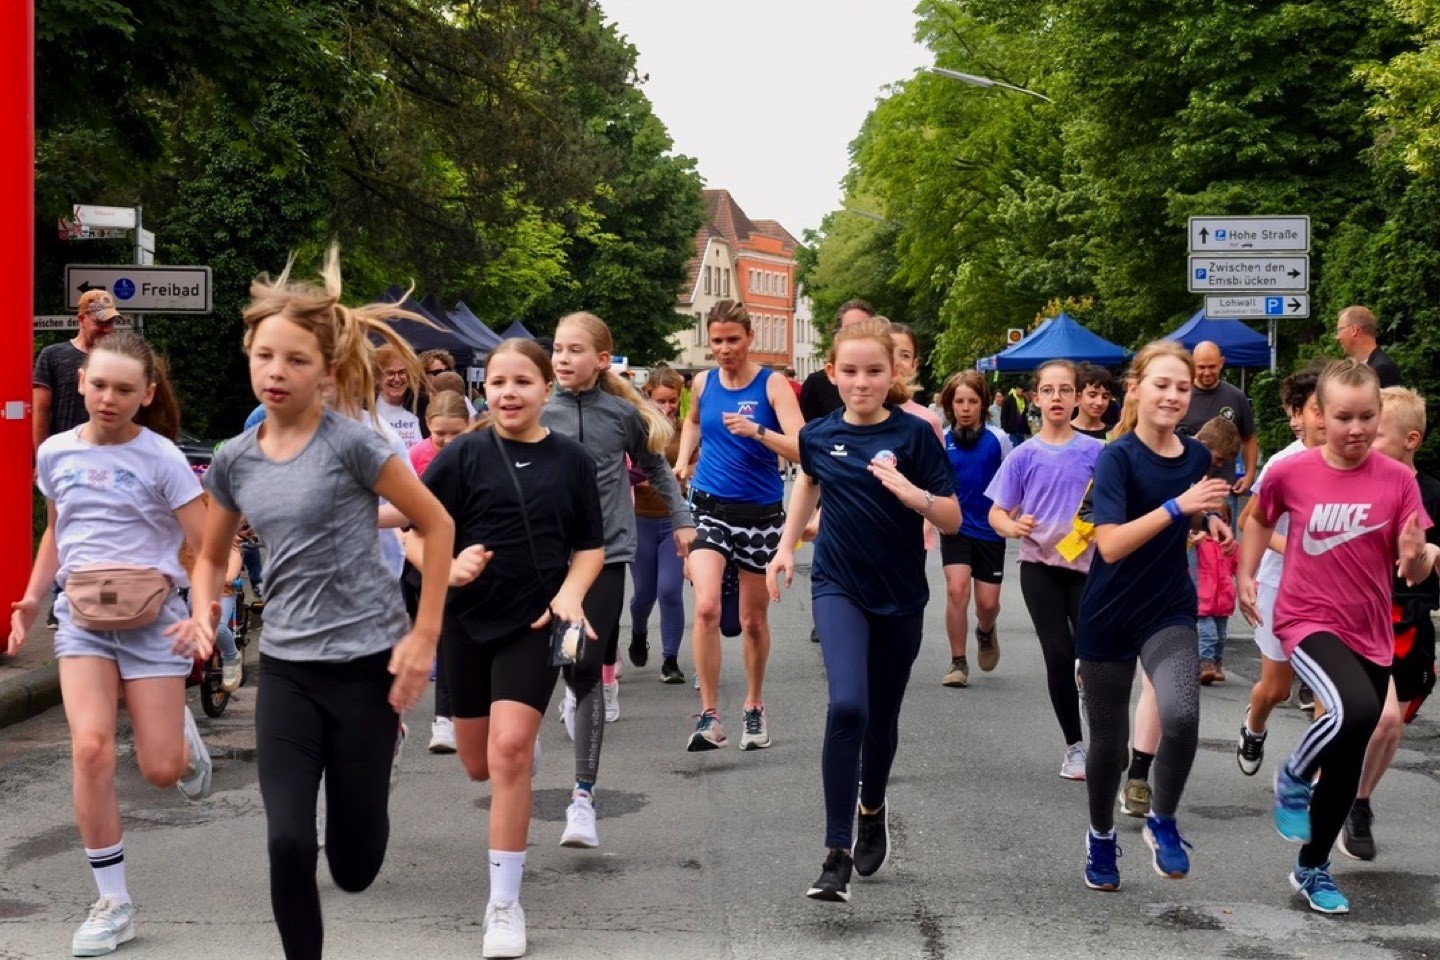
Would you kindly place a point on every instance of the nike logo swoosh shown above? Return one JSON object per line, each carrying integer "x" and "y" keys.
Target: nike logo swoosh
{"x": 521, "y": 466}
{"x": 1317, "y": 548}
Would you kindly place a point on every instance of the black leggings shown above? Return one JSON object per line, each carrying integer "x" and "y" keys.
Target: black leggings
{"x": 1169, "y": 659}
{"x": 1052, "y": 594}
{"x": 443, "y": 705}
{"x": 315, "y": 718}
{"x": 603, "y": 605}
{"x": 1353, "y": 690}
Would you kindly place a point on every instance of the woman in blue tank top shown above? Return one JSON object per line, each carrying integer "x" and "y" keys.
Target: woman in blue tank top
{"x": 745, "y": 417}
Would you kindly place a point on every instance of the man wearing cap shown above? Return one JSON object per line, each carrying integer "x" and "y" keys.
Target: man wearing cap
{"x": 55, "y": 397}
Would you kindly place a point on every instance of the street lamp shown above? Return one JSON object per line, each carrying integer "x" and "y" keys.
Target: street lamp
{"x": 977, "y": 81}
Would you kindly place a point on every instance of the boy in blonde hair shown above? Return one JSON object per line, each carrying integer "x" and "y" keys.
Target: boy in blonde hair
{"x": 1402, "y": 428}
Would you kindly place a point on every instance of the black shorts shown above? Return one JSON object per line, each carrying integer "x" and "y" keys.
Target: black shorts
{"x": 1414, "y": 664}
{"x": 985, "y": 558}
{"x": 748, "y": 533}
{"x": 516, "y": 668}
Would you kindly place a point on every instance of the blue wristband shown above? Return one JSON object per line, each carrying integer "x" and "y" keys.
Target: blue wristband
{"x": 1172, "y": 507}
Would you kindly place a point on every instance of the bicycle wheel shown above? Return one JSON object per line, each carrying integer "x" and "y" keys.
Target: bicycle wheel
{"x": 213, "y": 697}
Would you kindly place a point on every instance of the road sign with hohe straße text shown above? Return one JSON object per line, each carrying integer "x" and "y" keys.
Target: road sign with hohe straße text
{"x": 1250, "y": 234}
{"x": 143, "y": 289}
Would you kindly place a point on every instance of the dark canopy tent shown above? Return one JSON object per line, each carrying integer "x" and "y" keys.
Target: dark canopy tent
{"x": 517, "y": 330}
{"x": 1059, "y": 338}
{"x": 1239, "y": 345}
{"x": 465, "y": 318}
{"x": 439, "y": 337}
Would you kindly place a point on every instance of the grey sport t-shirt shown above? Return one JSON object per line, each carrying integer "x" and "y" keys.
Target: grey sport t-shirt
{"x": 329, "y": 595}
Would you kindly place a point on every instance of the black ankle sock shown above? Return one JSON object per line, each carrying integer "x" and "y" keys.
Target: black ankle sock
{"x": 1362, "y": 803}
{"x": 1140, "y": 765}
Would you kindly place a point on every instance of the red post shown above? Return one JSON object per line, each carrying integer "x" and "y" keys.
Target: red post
{"x": 17, "y": 252}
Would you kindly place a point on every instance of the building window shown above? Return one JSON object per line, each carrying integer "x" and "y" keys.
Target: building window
{"x": 727, "y": 281}
{"x": 699, "y": 329}
{"x": 707, "y": 280}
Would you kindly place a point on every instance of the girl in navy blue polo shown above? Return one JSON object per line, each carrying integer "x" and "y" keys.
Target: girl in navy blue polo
{"x": 878, "y": 475}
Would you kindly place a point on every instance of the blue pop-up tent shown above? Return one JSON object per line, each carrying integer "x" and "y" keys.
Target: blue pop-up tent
{"x": 1239, "y": 345}
{"x": 464, "y": 318}
{"x": 1059, "y": 338}
{"x": 517, "y": 329}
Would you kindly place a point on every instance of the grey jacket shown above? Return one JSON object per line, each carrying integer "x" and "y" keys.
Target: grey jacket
{"x": 610, "y": 428}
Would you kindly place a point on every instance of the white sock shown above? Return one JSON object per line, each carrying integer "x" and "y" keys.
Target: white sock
{"x": 108, "y": 865}
{"x": 507, "y": 868}
{"x": 1102, "y": 836}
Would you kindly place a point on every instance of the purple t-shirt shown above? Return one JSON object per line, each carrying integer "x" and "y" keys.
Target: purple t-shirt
{"x": 1047, "y": 481}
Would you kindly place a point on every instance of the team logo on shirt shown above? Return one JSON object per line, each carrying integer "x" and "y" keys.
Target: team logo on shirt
{"x": 886, "y": 458}
{"x": 1332, "y": 524}
{"x": 746, "y": 408}
{"x": 839, "y": 451}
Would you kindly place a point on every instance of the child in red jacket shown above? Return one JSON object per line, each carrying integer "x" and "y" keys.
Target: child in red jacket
{"x": 1215, "y": 587}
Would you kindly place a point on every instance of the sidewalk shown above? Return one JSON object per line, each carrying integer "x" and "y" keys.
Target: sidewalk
{"x": 30, "y": 680}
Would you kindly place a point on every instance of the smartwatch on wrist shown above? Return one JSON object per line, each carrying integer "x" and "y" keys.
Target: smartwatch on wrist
{"x": 759, "y": 430}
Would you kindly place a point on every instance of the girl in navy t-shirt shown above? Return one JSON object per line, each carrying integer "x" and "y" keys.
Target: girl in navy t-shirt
{"x": 1139, "y": 602}
{"x": 879, "y": 475}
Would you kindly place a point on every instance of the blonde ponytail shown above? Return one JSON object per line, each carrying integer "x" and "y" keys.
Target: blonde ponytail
{"x": 658, "y": 427}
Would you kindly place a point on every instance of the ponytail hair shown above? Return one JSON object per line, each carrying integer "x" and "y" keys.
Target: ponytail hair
{"x": 162, "y": 413}
{"x": 1152, "y": 351}
{"x": 879, "y": 330}
{"x": 342, "y": 332}
{"x": 658, "y": 428}
{"x": 447, "y": 403}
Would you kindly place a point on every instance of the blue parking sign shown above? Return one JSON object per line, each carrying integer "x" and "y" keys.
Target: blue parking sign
{"x": 1274, "y": 306}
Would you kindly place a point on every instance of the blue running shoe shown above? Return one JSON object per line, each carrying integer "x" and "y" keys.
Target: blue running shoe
{"x": 1101, "y": 870}
{"x": 1292, "y": 805}
{"x": 1163, "y": 838}
{"x": 1317, "y": 886}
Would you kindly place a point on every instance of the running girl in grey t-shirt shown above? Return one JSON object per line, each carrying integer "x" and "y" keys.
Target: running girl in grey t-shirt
{"x": 338, "y": 659}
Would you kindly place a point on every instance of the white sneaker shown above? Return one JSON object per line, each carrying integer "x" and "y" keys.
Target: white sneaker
{"x": 1073, "y": 766}
{"x": 400, "y": 736}
{"x": 442, "y": 735}
{"x": 580, "y": 822}
{"x": 232, "y": 674}
{"x": 109, "y": 924}
{"x": 567, "y": 712}
{"x": 504, "y": 930}
{"x": 194, "y": 783}
{"x": 611, "y": 693}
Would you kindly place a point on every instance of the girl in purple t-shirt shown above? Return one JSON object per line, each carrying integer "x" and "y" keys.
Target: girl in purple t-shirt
{"x": 1036, "y": 495}
{"x": 1352, "y": 515}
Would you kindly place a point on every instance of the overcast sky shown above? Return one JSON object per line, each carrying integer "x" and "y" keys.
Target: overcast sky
{"x": 820, "y": 64}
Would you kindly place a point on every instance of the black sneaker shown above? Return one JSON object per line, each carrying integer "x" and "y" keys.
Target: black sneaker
{"x": 1250, "y": 751}
{"x": 834, "y": 882}
{"x": 872, "y": 841}
{"x": 51, "y": 621}
{"x": 814, "y": 634}
{"x": 670, "y": 671}
{"x": 639, "y": 649}
{"x": 1356, "y": 840}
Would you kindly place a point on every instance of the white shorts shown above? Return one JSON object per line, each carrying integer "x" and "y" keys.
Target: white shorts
{"x": 1265, "y": 638}
{"x": 138, "y": 654}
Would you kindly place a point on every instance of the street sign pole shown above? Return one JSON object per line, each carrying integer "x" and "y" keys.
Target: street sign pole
{"x": 1274, "y": 341}
{"x": 139, "y": 259}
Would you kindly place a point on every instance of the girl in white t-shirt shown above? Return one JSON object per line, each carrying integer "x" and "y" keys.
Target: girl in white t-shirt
{"x": 116, "y": 486}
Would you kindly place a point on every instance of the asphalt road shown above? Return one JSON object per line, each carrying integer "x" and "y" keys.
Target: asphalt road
{"x": 708, "y": 855}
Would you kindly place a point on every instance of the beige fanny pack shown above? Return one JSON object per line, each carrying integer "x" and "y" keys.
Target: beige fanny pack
{"x": 116, "y": 596}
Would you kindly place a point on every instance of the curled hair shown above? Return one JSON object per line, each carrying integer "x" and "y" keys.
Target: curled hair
{"x": 1152, "y": 351}
{"x": 1346, "y": 373}
{"x": 973, "y": 379}
{"x": 658, "y": 428}
{"x": 343, "y": 333}
{"x": 447, "y": 403}
{"x": 442, "y": 355}
{"x": 878, "y": 330}
{"x": 162, "y": 413}
{"x": 1296, "y": 389}
{"x": 1093, "y": 375}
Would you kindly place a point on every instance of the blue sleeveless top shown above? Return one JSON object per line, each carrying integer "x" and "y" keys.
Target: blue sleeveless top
{"x": 737, "y": 469}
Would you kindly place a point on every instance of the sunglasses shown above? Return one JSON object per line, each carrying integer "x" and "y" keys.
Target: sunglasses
{"x": 438, "y": 370}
